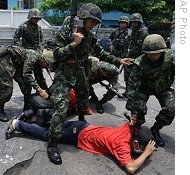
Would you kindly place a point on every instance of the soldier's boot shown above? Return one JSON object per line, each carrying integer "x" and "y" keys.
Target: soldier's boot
{"x": 26, "y": 103}
{"x": 53, "y": 153}
{"x": 93, "y": 98}
{"x": 155, "y": 132}
{"x": 99, "y": 106}
{"x": 81, "y": 116}
{"x": 3, "y": 117}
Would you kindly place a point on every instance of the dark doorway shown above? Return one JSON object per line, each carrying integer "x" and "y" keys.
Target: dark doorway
{"x": 3, "y": 4}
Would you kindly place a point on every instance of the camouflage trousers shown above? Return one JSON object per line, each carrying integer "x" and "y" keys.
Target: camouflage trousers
{"x": 167, "y": 102}
{"x": 60, "y": 99}
{"x": 127, "y": 71}
{"x": 6, "y": 87}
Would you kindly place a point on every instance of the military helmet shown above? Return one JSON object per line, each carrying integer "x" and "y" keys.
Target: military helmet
{"x": 154, "y": 43}
{"x": 90, "y": 10}
{"x": 34, "y": 13}
{"x": 136, "y": 17}
{"x": 124, "y": 19}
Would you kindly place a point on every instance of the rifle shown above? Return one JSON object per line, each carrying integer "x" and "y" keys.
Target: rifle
{"x": 112, "y": 90}
{"x": 74, "y": 20}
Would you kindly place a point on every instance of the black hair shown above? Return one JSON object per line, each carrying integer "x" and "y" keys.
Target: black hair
{"x": 144, "y": 135}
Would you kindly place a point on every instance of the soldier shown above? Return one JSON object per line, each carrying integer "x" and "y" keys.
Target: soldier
{"x": 32, "y": 38}
{"x": 139, "y": 33}
{"x": 153, "y": 74}
{"x": 102, "y": 70}
{"x": 17, "y": 63}
{"x": 73, "y": 71}
{"x": 119, "y": 38}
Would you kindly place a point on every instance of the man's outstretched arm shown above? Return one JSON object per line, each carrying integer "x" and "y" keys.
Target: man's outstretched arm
{"x": 135, "y": 164}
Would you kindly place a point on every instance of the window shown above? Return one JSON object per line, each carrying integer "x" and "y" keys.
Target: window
{"x": 20, "y": 4}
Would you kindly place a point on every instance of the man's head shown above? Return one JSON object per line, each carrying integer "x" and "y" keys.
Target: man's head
{"x": 136, "y": 19}
{"x": 123, "y": 22}
{"x": 91, "y": 15}
{"x": 144, "y": 135}
{"x": 47, "y": 58}
{"x": 153, "y": 46}
{"x": 34, "y": 15}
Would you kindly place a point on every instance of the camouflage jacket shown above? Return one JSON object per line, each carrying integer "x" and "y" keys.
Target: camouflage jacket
{"x": 34, "y": 30}
{"x": 137, "y": 37}
{"x": 120, "y": 41}
{"x": 151, "y": 78}
{"x": 20, "y": 60}
{"x": 104, "y": 71}
{"x": 71, "y": 69}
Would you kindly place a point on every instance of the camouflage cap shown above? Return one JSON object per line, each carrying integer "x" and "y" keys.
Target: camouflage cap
{"x": 90, "y": 10}
{"x": 154, "y": 43}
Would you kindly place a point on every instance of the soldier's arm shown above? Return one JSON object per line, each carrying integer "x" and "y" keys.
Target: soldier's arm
{"x": 18, "y": 33}
{"x": 31, "y": 60}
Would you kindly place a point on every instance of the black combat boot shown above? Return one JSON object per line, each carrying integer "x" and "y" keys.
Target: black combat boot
{"x": 81, "y": 116}
{"x": 3, "y": 117}
{"x": 93, "y": 98}
{"x": 53, "y": 153}
{"x": 26, "y": 103}
{"x": 99, "y": 106}
{"x": 155, "y": 132}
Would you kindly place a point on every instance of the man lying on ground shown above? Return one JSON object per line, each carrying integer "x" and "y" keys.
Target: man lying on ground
{"x": 118, "y": 142}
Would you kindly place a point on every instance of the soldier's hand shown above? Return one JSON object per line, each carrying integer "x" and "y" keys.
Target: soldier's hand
{"x": 127, "y": 61}
{"x": 133, "y": 120}
{"x": 43, "y": 93}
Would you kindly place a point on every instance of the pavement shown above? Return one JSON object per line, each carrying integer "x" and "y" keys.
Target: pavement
{"x": 25, "y": 155}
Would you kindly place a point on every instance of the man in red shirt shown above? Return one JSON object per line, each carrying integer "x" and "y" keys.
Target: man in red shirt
{"x": 118, "y": 142}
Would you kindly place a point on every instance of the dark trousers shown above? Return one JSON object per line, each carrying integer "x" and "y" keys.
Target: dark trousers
{"x": 70, "y": 133}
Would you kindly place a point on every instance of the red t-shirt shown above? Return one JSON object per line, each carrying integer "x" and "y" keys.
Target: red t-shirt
{"x": 107, "y": 141}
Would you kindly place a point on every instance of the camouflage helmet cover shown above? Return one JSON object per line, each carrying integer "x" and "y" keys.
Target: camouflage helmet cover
{"x": 154, "y": 43}
{"x": 123, "y": 19}
{"x": 136, "y": 17}
{"x": 90, "y": 10}
{"x": 48, "y": 55}
{"x": 34, "y": 13}
{"x": 95, "y": 63}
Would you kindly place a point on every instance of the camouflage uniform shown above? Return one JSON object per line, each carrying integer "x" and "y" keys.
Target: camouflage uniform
{"x": 17, "y": 63}
{"x": 152, "y": 78}
{"x": 138, "y": 35}
{"x": 102, "y": 70}
{"x": 38, "y": 41}
{"x": 119, "y": 39}
{"x": 74, "y": 73}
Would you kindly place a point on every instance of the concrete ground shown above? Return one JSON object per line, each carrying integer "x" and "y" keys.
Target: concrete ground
{"x": 24, "y": 155}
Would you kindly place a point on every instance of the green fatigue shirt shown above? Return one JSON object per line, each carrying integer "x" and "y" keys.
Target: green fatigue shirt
{"x": 35, "y": 31}
{"x": 150, "y": 78}
{"x": 32, "y": 59}
{"x": 137, "y": 37}
{"x": 120, "y": 41}
{"x": 70, "y": 68}
{"x": 104, "y": 71}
